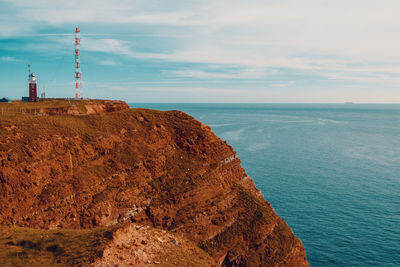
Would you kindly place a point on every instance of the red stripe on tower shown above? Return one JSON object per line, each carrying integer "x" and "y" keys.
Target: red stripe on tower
{"x": 78, "y": 73}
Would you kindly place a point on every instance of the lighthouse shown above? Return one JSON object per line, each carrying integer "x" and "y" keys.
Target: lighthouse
{"x": 32, "y": 86}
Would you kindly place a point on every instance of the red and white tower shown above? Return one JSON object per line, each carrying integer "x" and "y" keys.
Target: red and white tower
{"x": 78, "y": 73}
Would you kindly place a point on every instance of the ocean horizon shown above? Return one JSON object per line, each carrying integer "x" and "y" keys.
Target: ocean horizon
{"x": 331, "y": 171}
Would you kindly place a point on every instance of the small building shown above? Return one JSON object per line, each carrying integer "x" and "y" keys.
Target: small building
{"x": 5, "y": 99}
{"x": 25, "y": 99}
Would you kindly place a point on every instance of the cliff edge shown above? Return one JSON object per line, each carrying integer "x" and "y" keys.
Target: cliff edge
{"x": 132, "y": 187}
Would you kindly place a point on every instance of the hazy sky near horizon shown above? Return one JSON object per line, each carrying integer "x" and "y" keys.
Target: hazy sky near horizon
{"x": 205, "y": 50}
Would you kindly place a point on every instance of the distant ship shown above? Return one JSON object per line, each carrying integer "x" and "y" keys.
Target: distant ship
{"x": 348, "y": 102}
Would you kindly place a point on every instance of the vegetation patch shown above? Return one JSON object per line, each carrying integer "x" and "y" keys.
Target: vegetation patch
{"x": 169, "y": 190}
{"x": 37, "y": 247}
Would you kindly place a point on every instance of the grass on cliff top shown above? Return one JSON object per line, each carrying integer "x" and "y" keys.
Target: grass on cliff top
{"x": 37, "y": 247}
{"x": 64, "y": 247}
{"x": 95, "y": 124}
{"x": 54, "y": 103}
{"x": 89, "y": 125}
{"x": 24, "y": 113}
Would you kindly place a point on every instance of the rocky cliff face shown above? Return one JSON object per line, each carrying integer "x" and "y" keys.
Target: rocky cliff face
{"x": 163, "y": 170}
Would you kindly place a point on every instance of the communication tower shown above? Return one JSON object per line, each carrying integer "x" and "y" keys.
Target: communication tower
{"x": 78, "y": 73}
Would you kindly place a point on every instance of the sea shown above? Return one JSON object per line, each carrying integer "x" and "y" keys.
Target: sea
{"x": 331, "y": 171}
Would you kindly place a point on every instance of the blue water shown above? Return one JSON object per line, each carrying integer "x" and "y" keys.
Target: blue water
{"x": 331, "y": 171}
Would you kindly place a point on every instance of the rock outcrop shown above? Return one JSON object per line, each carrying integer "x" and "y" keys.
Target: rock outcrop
{"x": 139, "y": 168}
{"x": 85, "y": 107}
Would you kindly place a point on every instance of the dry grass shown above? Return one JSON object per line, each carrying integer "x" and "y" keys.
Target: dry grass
{"x": 54, "y": 103}
{"x": 89, "y": 125}
{"x": 53, "y": 106}
{"x": 38, "y": 247}
{"x": 22, "y": 108}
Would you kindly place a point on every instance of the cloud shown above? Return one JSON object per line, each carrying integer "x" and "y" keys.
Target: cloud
{"x": 9, "y": 59}
{"x": 109, "y": 63}
{"x": 222, "y": 72}
{"x": 107, "y": 45}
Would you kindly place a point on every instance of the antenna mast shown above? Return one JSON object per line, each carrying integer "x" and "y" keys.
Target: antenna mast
{"x": 29, "y": 71}
{"x": 78, "y": 82}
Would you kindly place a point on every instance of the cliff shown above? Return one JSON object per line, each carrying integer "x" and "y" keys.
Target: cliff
{"x": 147, "y": 187}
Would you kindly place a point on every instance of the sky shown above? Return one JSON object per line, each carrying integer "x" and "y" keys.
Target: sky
{"x": 213, "y": 51}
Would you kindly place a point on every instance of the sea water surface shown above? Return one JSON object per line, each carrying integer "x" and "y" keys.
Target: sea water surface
{"x": 331, "y": 171}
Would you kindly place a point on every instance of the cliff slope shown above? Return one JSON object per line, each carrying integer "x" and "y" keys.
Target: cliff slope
{"x": 137, "y": 167}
